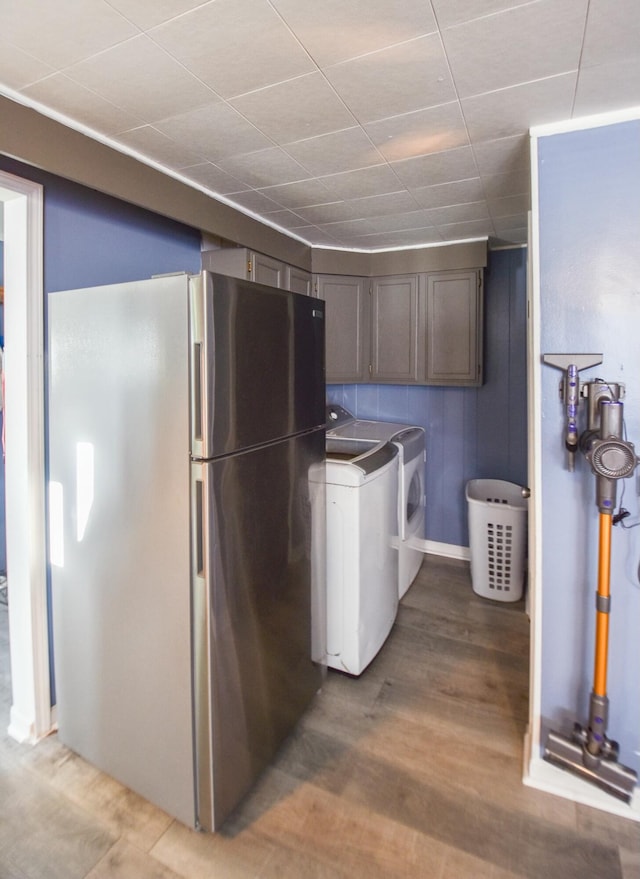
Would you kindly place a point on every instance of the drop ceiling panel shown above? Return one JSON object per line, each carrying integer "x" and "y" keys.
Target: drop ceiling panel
{"x": 402, "y": 78}
{"x": 234, "y": 47}
{"x": 63, "y": 32}
{"x": 141, "y": 79}
{"x": 265, "y": 167}
{"x": 346, "y": 121}
{"x": 344, "y": 150}
{"x": 419, "y": 133}
{"x": 147, "y": 15}
{"x": 73, "y": 100}
{"x": 613, "y": 86}
{"x": 613, "y": 32}
{"x": 445, "y": 167}
{"x": 334, "y": 31}
{"x": 19, "y": 69}
{"x": 296, "y": 109}
{"x": 215, "y": 132}
{"x": 510, "y": 112}
{"x": 526, "y": 43}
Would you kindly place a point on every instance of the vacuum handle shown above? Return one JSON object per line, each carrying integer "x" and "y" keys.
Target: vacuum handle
{"x": 603, "y": 602}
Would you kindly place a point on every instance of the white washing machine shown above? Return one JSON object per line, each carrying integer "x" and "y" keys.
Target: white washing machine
{"x": 362, "y": 563}
{"x": 410, "y": 441}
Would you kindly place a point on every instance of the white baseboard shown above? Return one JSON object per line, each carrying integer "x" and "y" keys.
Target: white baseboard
{"x": 20, "y": 728}
{"x": 447, "y": 550}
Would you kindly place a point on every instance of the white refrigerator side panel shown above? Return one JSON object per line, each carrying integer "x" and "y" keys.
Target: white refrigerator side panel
{"x": 119, "y": 458}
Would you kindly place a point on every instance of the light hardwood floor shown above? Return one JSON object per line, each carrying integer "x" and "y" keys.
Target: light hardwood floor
{"x": 411, "y": 770}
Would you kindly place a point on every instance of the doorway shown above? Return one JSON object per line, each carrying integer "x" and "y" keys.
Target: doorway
{"x": 22, "y": 202}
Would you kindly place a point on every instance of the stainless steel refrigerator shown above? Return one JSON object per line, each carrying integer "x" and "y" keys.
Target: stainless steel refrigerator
{"x": 186, "y": 506}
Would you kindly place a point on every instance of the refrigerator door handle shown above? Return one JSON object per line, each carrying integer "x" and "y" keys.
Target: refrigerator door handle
{"x": 201, "y": 649}
{"x": 198, "y": 367}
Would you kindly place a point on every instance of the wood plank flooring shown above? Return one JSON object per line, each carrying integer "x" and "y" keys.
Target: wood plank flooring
{"x": 412, "y": 770}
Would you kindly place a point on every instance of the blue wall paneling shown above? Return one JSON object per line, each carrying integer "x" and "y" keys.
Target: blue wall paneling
{"x": 471, "y": 433}
{"x": 589, "y": 220}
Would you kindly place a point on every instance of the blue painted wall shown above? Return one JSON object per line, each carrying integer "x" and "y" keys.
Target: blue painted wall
{"x": 589, "y": 203}
{"x": 471, "y": 433}
{"x": 92, "y": 239}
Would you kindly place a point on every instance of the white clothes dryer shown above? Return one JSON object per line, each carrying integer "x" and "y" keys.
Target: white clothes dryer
{"x": 410, "y": 441}
{"x": 362, "y": 563}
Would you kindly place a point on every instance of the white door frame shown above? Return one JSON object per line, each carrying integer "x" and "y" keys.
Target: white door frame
{"x": 31, "y": 716}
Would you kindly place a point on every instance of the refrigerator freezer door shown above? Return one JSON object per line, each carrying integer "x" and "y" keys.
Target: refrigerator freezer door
{"x": 119, "y": 457}
{"x": 257, "y": 364}
{"x": 261, "y": 516}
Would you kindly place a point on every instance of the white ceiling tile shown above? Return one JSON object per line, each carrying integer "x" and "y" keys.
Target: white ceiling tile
{"x": 234, "y": 47}
{"x": 147, "y": 15}
{"x": 450, "y": 12}
{"x": 348, "y": 228}
{"x": 19, "y": 69}
{"x": 513, "y": 111}
{"x": 298, "y": 195}
{"x": 63, "y": 32}
{"x": 517, "y": 221}
{"x": 337, "y": 151}
{"x": 445, "y": 167}
{"x": 403, "y": 78}
{"x": 613, "y": 86}
{"x": 504, "y": 155}
{"x": 419, "y": 133}
{"x": 472, "y": 229}
{"x": 613, "y": 32}
{"x": 333, "y": 30}
{"x": 477, "y": 210}
{"x": 254, "y": 201}
{"x": 212, "y": 177}
{"x": 315, "y": 235}
{"x": 152, "y": 143}
{"x": 142, "y": 79}
{"x": 502, "y": 185}
{"x": 398, "y": 222}
{"x": 402, "y": 238}
{"x": 377, "y": 205}
{"x": 505, "y": 207}
{"x": 65, "y": 96}
{"x": 295, "y": 110}
{"x": 264, "y": 168}
{"x": 519, "y": 45}
{"x": 325, "y": 213}
{"x": 377, "y": 180}
{"x": 286, "y": 219}
{"x": 443, "y": 194}
{"x": 214, "y": 131}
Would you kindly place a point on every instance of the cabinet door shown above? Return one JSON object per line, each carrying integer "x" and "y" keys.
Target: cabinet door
{"x": 238, "y": 262}
{"x": 298, "y": 281}
{"x": 347, "y": 315}
{"x": 395, "y": 353}
{"x": 266, "y": 270}
{"x": 453, "y": 328}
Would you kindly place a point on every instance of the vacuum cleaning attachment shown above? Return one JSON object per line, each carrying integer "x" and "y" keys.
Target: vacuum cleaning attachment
{"x": 589, "y": 753}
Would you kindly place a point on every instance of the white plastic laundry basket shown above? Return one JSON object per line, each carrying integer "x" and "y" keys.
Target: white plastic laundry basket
{"x": 497, "y": 537}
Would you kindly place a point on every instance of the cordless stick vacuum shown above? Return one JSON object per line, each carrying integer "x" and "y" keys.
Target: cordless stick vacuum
{"x": 588, "y": 752}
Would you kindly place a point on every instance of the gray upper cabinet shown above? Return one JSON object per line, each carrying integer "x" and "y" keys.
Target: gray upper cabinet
{"x": 453, "y": 327}
{"x": 347, "y": 318}
{"x": 396, "y": 355}
{"x": 239, "y": 262}
{"x": 298, "y": 281}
